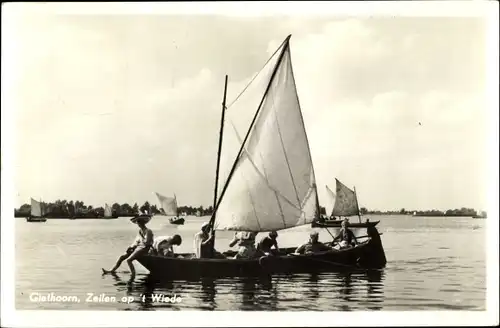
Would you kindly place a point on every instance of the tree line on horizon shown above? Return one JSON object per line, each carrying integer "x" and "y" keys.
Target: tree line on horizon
{"x": 66, "y": 209}
{"x": 450, "y": 212}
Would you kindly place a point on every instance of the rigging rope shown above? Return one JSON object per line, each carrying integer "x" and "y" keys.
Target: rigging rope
{"x": 255, "y": 76}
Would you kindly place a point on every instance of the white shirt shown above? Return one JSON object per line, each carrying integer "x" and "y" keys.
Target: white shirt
{"x": 143, "y": 239}
{"x": 163, "y": 242}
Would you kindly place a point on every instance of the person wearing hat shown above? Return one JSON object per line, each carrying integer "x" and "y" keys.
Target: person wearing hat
{"x": 203, "y": 242}
{"x": 346, "y": 237}
{"x": 313, "y": 245}
{"x": 265, "y": 244}
{"x": 140, "y": 246}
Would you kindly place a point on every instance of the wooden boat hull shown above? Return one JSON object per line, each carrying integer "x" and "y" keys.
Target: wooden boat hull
{"x": 338, "y": 224}
{"x": 35, "y": 219}
{"x": 178, "y": 221}
{"x": 368, "y": 255}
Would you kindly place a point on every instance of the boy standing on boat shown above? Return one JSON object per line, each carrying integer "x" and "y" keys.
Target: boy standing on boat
{"x": 203, "y": 242}
{"x": 141, "y": 245}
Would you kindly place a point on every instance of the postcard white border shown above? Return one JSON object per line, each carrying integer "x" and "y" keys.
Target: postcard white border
{"x": 13, "y": 318}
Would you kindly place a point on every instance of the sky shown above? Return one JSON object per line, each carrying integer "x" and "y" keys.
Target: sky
{"x": 112, "y": 108}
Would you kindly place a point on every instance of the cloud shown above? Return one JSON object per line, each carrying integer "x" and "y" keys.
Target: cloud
{"x": 376, "y": 117}
{"x": 117, "y": 110}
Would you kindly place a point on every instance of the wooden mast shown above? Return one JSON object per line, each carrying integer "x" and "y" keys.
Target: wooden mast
{"x": 221, "y": 133}
{"x": 357, "y": 205}
{"x": 216, "y": 187}
{"x": 176, "y": 207}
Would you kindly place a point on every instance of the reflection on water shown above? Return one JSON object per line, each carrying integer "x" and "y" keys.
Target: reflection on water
{"x": 336, "y": 291}
{"x": 208, "y": 293}
{"x": 429, "y": 267}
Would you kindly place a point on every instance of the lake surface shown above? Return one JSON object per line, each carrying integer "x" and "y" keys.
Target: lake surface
{"x": 433, "y": 264}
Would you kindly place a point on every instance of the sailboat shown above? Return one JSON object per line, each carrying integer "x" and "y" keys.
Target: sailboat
{"x": 37, "y": 212}
{"x": 168, "y": 206}
{"x": 345, "y": 203}
{"x": 270, "y": 186}
{"x": 108, "y": 212}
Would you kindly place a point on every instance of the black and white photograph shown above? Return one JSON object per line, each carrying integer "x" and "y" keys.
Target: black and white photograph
{"x": 249, "y": 164}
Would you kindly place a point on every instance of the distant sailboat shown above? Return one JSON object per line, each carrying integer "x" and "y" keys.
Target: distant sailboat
{"x": 345, "y": 204}
{"x": 37, "y": 212}
{"x": 108, "y": 212}
{"x": 168, "y": 207}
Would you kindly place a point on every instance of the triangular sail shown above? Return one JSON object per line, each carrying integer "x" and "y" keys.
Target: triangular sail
{"x": 330, "y": 202}
{"x": 239, "y": 114}
{"x": 346, "y": 203}
{"x": 107, "y": 210}
{"x": 36, "y": 208}
{"x": 168, "y": 205}
{"x": 273, "y": 185}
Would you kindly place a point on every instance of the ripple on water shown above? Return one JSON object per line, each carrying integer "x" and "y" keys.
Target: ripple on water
{"x": 429, "y": 268}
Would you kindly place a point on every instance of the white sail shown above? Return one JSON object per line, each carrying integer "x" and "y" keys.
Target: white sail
{"x": 36, "y": 208}
{"x": 167, "y": 204}
{"x": 346, "y": 203}
{"x": 330, "y": 202}
{"x": 273, "y": 186}
{"x": 107, "y": 211}
{"x": 239, "y": 114}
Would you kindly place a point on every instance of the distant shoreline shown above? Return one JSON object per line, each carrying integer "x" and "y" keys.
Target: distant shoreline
{"x": 65, "y": 209}
{"x": 443, "y": 215}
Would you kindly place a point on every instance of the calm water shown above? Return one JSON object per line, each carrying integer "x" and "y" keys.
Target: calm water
{"x": 433, "y": 263}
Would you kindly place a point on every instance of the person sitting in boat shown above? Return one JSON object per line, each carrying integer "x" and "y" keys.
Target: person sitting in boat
{"x": 164, "y": 245}
{"x": 313, "y": 245}
{"x": 345, "y": 237}
{"x": 203, "y": 242}
{"x": 266, "y": 243}
{"x": 140, "y": 246}
{"x": 246, "y": 243}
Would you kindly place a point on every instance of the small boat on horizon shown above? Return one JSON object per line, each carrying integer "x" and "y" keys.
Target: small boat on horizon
{"x": 343, "y": 203}
{"x": 176, "y": 220}
{"x": 37, "y": 212}
{"x": 108, "y": 213}
{"x": 168, "y": 207}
